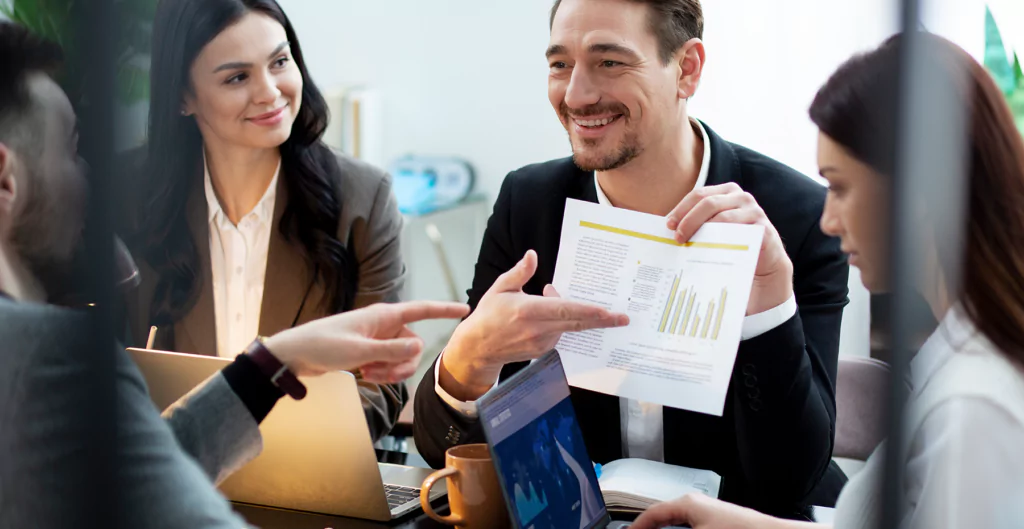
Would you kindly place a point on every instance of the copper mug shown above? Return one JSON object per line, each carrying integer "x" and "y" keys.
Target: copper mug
{"x": 474, "y": 494}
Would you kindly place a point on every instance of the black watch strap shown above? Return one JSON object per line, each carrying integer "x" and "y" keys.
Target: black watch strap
{"x": 278, "y": 373}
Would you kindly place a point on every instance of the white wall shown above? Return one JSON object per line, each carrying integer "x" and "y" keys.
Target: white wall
{"x": 1009, "y": 15}
{"x": 767, "y": 59}
{"x": 455, "y": 77}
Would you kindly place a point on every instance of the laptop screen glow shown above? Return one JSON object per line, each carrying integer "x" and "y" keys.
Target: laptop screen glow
{"x": 546, "y": 474}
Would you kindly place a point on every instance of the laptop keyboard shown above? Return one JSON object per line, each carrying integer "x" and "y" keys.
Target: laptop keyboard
{"x": 398, "y": 496}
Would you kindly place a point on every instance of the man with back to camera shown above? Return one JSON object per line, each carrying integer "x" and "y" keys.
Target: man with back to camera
{"x": 621, "y": 73}
{"x": 165, "y": 469}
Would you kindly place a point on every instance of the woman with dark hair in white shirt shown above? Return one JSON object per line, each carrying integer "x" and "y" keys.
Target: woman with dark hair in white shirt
{"x": 964, "y": 466}
{"x": 248, "y": 224}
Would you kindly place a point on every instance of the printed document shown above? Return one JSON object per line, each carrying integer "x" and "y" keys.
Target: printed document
{"x": 686, "y": 304}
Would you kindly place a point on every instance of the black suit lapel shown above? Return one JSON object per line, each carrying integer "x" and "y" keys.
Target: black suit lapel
{"x": 585, "y": 188}
{"x": 724, "y": 165}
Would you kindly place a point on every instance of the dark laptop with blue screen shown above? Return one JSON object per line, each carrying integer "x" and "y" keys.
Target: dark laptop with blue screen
{"x": 546, "y": 474}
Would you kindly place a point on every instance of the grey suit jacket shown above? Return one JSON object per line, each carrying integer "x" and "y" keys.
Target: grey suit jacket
{"x": 370, "y": 225}
{"x": 44, "y": 414}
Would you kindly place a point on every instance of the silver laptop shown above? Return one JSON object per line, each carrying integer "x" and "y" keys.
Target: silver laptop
{"x": 317, "y": 453}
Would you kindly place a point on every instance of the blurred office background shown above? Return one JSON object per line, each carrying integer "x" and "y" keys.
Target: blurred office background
{"x": 466, "y": 80}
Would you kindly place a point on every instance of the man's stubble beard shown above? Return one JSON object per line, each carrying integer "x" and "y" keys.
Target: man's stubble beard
{"x": 626, "y": 152}
{"x": 48, "y": 239}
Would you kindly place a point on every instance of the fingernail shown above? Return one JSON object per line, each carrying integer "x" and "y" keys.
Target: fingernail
{"x": 672, "y": 223}
{"x": 622, "y": 320}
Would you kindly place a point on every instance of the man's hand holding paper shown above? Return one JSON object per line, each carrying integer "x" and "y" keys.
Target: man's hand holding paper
{"x": 728, "y": 203}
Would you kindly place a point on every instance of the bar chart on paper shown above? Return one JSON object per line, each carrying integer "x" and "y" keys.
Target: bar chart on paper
{"x": 685, "y": 300}
{"x": 686, "y": 315}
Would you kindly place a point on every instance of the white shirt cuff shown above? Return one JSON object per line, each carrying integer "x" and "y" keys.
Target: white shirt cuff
{"x": 757, "y": 324}
{"x": 466, "y": 409}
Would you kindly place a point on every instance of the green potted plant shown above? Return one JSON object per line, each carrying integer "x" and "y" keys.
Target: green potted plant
{"x": 1007, "y": 73}
{"x": 53, "y": 19}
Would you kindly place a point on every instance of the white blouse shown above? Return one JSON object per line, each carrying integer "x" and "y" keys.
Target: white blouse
{"x": 964, "y": 453}
{"x": 238, "y": 262}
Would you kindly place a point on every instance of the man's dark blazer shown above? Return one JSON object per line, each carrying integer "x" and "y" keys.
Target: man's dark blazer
{"x": 774, "y": 441}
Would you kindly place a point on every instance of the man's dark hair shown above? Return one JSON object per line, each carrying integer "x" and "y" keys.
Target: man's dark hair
{"x": 673, "y": 23}
{"x": 22, "y": 54}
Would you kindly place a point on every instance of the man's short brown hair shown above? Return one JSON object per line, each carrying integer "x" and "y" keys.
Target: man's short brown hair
{"x": 673, "y": 23}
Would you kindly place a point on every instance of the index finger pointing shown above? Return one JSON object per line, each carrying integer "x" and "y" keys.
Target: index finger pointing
{"x": 413, "y": 311}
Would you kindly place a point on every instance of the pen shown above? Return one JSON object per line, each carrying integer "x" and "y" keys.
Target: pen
{"x": 152, "y": 337}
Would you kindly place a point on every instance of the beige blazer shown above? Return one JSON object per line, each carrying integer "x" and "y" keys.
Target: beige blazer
{"x": 370, "y": 227}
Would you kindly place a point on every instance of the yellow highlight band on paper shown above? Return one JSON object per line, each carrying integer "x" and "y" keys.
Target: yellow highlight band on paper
{"x": 664, "y": 240}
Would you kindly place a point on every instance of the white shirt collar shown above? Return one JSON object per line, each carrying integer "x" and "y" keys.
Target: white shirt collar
{"x": 955, "y": 333}
{"x": 264, "y": 209}
{"x": 702, "y": 176}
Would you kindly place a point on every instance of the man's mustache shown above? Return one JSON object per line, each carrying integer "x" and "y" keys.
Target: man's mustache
{"x": 593, "y": 110}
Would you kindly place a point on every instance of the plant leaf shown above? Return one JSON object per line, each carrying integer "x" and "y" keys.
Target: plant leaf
{"x": 132, "y": 84}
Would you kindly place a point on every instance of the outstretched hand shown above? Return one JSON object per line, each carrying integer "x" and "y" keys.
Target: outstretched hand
{"x": 375, "y": 340}
{"x": 510, "y": 326}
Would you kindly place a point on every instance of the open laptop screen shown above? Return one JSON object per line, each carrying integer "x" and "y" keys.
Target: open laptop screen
{"x": 542, "y": 463}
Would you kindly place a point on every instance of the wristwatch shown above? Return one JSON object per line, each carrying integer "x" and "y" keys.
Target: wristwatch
{"x": 278, "y": 373}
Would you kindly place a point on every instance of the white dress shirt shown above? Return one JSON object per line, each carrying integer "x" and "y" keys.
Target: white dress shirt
{"x": 965, "y": 428}
{"x": 642, "y": 423}
{"x": 238, "y": 260}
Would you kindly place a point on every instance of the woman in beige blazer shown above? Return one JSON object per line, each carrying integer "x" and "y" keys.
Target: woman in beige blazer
{"x": 247, "y": 223}
{"x": 965, "y": 416}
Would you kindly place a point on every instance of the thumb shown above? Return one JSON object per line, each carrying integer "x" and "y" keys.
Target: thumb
{"x": 517, "y": 277}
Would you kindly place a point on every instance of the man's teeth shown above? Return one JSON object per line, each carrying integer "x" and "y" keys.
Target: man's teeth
{"x": 595, "y": 122}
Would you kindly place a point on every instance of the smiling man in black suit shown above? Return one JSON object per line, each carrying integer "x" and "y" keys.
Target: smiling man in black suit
{"x": 621, "y": 72}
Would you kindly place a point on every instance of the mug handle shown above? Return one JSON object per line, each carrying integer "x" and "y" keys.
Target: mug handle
{"x": 425, "y": 496}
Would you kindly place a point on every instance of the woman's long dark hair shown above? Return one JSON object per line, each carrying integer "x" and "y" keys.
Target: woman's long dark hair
{"x": 857, "y": 108}
{"x": 182, "y": 28}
